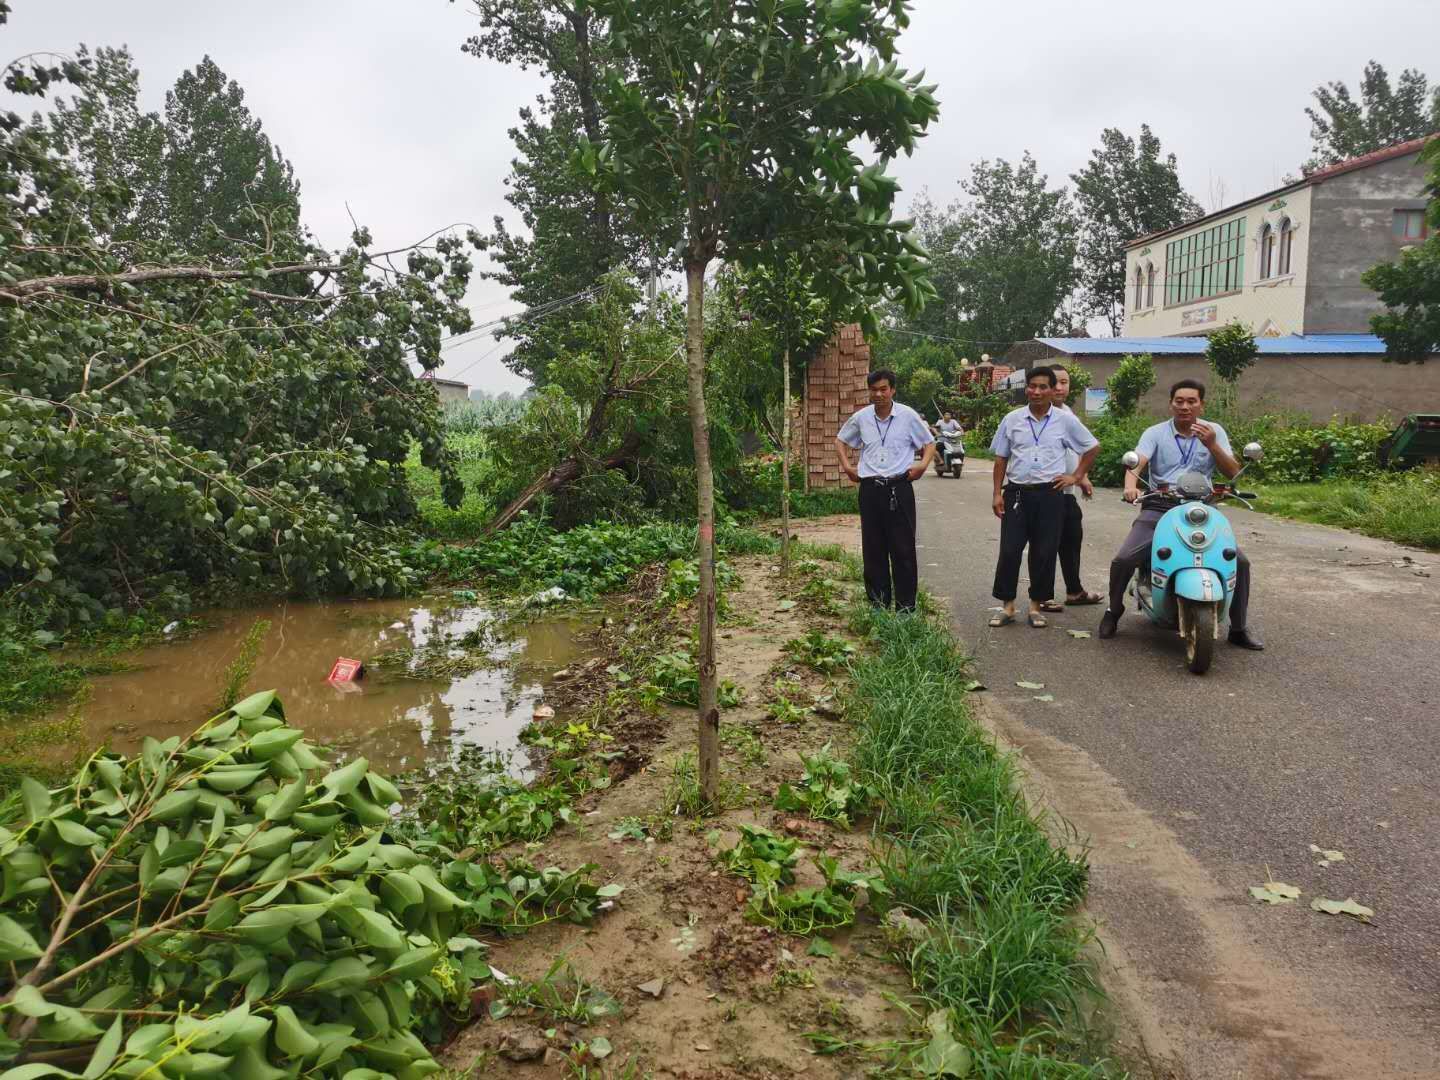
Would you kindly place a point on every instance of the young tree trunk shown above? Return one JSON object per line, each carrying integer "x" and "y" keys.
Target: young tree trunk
{"x": 785, "y": 472}
{"x": 709, "y": 711}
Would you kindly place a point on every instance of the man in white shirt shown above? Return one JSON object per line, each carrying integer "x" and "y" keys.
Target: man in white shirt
{"x": 1072, "y": 526}
{"x": 1030, "y": 448}
{"x": 949, "y": 425}
{"x": 1184, "y": 443}
{"x": 887, "y": 434}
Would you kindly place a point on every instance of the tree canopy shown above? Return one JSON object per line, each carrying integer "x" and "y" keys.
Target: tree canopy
{"x": 1385, "y": 114}
{"x": 1125, "y": 190}
{"x": 575, "y": 233}
{"x": 171, "y": 416}
{"x": 1410, "y": 288}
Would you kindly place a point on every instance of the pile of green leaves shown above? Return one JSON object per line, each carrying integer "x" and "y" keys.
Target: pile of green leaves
{"x": 820, "y": 651}
{"x": 224, "y": 904}
{"x": 173, "y": 415}
{"x": 768, "y": 862}
{"x": 829, "y": 790}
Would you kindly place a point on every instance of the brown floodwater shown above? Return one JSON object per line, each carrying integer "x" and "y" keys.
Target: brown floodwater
{"x": 397, "y": 723}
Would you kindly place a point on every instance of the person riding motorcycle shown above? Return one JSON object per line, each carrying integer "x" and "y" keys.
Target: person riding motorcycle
{"x": 1182, "y": 444}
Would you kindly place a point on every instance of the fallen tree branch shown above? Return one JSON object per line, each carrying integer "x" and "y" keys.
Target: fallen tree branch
{"x": 568, "y": 471}
{"x": 22, "y": 291}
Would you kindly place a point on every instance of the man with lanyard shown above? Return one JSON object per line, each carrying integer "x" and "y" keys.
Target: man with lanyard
{"x": 1182, "y": 444}
{"x": 1030, "y": 478}
{"x": 1072, "y": 528}
{"x": 887, "y": 434}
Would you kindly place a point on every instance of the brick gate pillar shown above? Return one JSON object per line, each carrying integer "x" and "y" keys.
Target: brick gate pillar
{"x": 834, "y": 388}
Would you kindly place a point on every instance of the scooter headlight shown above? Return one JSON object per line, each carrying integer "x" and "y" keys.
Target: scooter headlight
{"x": 1197, "y": 515}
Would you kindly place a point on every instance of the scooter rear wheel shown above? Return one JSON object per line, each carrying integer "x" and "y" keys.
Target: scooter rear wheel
{"x": 1199, "y": 636}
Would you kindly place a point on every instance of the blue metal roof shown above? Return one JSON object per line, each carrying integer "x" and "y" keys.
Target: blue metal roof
{"x": 1289, "y": 345}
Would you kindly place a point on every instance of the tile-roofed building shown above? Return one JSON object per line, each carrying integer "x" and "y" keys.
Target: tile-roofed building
{"x": 1287, "y": 262}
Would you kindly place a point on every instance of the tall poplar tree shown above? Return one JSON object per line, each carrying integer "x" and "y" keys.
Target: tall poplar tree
{"x": 1126, "y": 190}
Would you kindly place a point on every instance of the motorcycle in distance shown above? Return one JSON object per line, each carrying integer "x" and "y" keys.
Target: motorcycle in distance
{"x": 950, "y": 454}
{"x": 1191, "y": 576}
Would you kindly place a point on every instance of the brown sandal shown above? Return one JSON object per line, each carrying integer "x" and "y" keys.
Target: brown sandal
{"x": 1084, "y": 599}
{"x": 1052, "y": 606}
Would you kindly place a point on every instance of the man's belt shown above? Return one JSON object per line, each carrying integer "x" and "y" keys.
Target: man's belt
{"x": 1031, "y": 487}
{"x": 886, "y": 481}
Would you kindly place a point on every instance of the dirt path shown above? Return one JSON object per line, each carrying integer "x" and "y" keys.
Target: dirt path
{"x": 733, "y": 999}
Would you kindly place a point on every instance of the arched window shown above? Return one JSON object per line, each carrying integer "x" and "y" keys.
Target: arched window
{"x": 1150, "y": 284}
{"x": 1287, "y": 237}
{"x": 1139, "y": 288}
{"x": 1267, "y": 251}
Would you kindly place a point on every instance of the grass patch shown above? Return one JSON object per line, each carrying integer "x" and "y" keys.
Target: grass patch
{"x": 959, "y": 846}
{"x": 1403, "y": 507}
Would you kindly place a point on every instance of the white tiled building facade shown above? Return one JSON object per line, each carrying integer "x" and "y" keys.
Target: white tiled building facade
{"x": 1288, "y": 262}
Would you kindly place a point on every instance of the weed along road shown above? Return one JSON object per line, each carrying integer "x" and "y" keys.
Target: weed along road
{"x": 1191, "y": 789}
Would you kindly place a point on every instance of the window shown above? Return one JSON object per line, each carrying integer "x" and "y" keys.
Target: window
{"x": 1267, "y": 251}
{"x": 1205, "y": 264}
{"x": 1409, "y": 224}
{"x": 1139, "y": 288}
{"x": 1287, "y": 238}
{"x": 1149, "y": 284}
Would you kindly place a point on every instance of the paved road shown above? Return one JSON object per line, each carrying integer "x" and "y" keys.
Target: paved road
{"x": 1189, "y": 788}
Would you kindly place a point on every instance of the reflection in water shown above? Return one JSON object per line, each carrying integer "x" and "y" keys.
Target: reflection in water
{"x": 396, "y": 723}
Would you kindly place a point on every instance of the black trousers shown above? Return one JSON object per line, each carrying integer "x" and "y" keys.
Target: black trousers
{"x": 887, "y": 540}
{"x": 1135, "y": 553}
{"x": 1033, "y": 516}
{"x": 1072, "y": 533}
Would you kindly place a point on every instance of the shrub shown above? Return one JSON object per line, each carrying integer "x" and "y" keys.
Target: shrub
{"x": 753, "y": 489}
{"x": 1296, "y": 451}
{"x": 1132, "y": 379}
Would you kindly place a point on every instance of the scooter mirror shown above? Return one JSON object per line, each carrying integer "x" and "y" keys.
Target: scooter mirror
{"x": 1253, "y": 451}
{"x": 1131, "y": 459}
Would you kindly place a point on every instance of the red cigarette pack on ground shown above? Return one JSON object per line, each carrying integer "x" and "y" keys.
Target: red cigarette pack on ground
{"x": 346, "y": 671}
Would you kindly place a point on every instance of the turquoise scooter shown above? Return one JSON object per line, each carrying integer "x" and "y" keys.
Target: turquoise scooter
{"x": 1192, "y": 559}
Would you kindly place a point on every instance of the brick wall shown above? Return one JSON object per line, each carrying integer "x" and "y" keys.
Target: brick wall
{"x": 834, "y": 389}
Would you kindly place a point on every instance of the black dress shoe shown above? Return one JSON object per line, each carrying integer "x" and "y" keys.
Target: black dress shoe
{"x": 1245, "y": 639}
{"x": 1108, "y": 624}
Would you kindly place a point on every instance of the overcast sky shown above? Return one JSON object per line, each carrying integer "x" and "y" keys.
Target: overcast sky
{"x": 377, "y": 108}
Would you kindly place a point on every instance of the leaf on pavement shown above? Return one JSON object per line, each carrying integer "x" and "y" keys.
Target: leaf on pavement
{"x": 1078, "y": 633}
{"x": 1342, "y": 907}
{"x": 1023, "y": 685}
{"x": 1327, "y": 856}
{"x": 975, "y": 686}
{"x": 1274, "y": 892}
{"x": 1044, "y": 697}
{"x": 785, "y": 605}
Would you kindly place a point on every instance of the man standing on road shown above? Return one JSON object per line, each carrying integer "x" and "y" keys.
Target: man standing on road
{"x": 887, "y": 434}
{"x": 1182, "y": 444}
{"x": 1030, "y": 447}
{"x": 1072, "y": 527}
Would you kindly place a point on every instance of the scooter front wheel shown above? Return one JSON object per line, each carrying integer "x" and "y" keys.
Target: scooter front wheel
{"x": 1199, "y": 623}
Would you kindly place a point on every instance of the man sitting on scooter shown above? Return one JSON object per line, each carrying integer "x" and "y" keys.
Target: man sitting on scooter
{"x": 1182, "y": 444}
{"x": 949, "y": 426}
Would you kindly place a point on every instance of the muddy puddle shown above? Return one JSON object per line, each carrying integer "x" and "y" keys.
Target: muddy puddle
{"x": 394, "y": 719}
